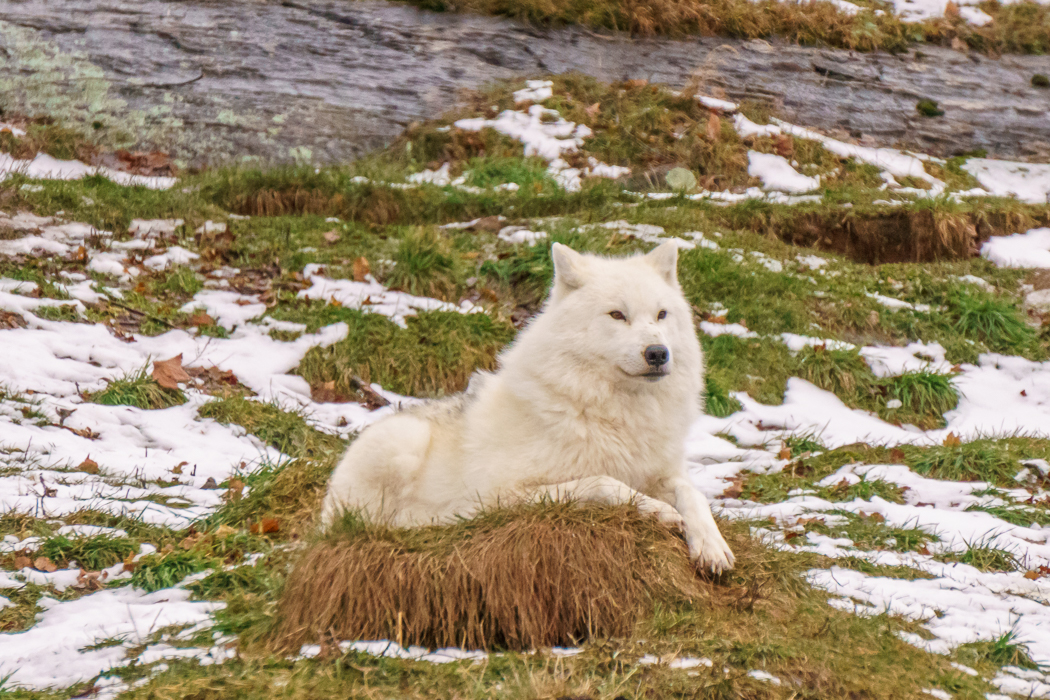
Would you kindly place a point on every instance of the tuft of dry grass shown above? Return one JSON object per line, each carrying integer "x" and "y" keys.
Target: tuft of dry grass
{"x": 520, "y": 578}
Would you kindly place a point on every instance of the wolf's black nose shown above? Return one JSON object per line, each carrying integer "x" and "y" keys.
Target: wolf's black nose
{"x": 657, "y": 355}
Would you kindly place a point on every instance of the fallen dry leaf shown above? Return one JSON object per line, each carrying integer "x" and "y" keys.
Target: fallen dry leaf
{"x": 201, "y": 319}
{"x": 234, "y": 489}
{"x": 785, "y": 452}
{"x": 210, "y": 484}
{"x": 1031, "y": 575}
{"x": 784, "y": 145}
{"x": 331, "y": 236}
{"x": 177, "y": 469}
{"x": 897, "y": 455}
{"x": 593, "y": 110}
{"x": 714, "y": 127}
{"x": 224, "y": 531}
{"x": 88, "y": 465}
{"x": 265, "y": 526}
{"x": 129, "y": 563}
{"x": 44, "y": 564}
{"x": 952, "y": 440}
{"x": 80, "y": 255}
{"x": 361, "y": 269}
{"x": 168, "y": 373}
{"x": 22, "y": 562}
{"x": 735, "y": 488}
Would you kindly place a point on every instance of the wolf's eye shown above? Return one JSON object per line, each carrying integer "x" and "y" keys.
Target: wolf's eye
{"x": 661, "y": 316}
{"x": 618, "y": 315}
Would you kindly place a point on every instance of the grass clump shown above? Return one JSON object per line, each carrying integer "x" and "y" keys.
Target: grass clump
{"x": 433, "y": 356}
{"x": 718, "y": 402}
{"x": 982, "y": 556}
{"x": 842, "y": 372}
{"x": 1004, "y": 650}
{"x": 1040, "y": 81}
{"x": 520, "y": 578}
{"x": 994, "y": 321}
{"x": 924, "y": 398}
{"x": 163, "y": 570}
{"x": 424, "y": 265}
{"x": 61, "y": 312}
{"x": 91, "y": 553}
{"x": 865, "y": 489}
{"x": 139, "y": 390}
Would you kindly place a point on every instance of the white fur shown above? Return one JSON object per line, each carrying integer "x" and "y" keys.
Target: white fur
{"x": 567, "y": 415}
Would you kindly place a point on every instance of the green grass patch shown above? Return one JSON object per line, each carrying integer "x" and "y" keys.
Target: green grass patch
{"x": 434, "y": 356}
{"x": 63, "y": 312}
{"x": 995, "y": 460}
{"x": 163, "y": 570}
{"x": 140, "y": 390}
{"x": 423, "y": 265}
{"x": 1004, "y": 650}
{"x": 91, "y": 553}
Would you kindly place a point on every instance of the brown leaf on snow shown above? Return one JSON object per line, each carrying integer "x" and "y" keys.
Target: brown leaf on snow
{"x": 44, "y": 564}
{"x": 951, "y": 10}
{"x": 129, "y": 563}
{"x": 168, "y": 373}
{"x": 952, "y": 440}
{"x": 89, "y": 580}
{"x": 1031, "y": 575}
{"x": 735, "y": 488}
{"x": 785, "y": 452}
{"x": 332, "y": 236}
{"x": 22, "y": 562}
{"x": 84, "y": 433}
{"x": 80, "y": 255}
{"x": 88, "y": 465}
{"x": 714, "y": 127}
{"x": 361, "y": 269}
{"x": 201, "y": 319}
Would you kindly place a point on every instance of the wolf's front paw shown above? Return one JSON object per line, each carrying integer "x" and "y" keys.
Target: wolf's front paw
{"x": 665, "y": 513}
{"x": 710, "y": 552}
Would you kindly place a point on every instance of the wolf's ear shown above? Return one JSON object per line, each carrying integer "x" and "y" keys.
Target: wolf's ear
{"x": 569, "y": 267}
{"x": 664, "y": 258}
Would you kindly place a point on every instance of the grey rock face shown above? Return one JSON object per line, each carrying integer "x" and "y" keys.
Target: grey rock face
{"x": 328, "y": 80}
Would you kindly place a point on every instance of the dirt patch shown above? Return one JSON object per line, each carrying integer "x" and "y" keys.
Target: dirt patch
{"x": 520, "y": 578}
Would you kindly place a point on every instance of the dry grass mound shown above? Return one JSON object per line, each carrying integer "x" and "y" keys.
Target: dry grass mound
{"x": 518, "y": 578}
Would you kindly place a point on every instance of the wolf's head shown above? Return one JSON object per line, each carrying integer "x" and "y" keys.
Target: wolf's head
{"x": 621, "y": 320}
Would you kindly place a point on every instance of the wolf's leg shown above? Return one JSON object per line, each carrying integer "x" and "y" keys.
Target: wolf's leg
{"x": 707, "y": 547}
{"x": 607, "y": 490}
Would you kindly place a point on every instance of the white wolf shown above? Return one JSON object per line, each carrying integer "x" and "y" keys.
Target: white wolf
{"x": 592, "y": 401}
